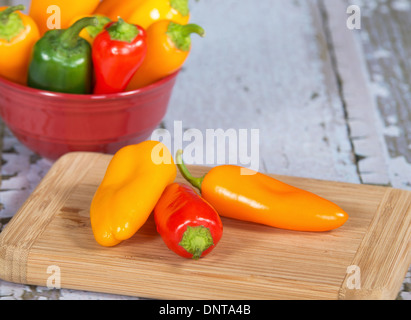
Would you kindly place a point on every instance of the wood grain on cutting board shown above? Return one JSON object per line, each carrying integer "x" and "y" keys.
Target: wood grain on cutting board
{"x": 251, "y": 261}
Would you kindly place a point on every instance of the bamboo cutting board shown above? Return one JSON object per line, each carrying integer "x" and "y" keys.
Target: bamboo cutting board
{"x": 367, "y": 258}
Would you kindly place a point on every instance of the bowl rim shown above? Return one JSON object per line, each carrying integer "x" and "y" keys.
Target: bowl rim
{"x": 85, "y": 97}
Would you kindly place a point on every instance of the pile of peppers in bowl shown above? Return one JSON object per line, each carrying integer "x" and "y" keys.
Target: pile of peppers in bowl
{"x": 100, "y": 47}
{"x": 141, "y": 179}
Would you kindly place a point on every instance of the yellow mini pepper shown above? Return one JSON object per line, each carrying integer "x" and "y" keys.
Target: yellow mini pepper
{"x": 168, "y": 47}
{"x": 145, "y": 12}
{"x": 134, "y": 181}
{"x": 18, "y": 34}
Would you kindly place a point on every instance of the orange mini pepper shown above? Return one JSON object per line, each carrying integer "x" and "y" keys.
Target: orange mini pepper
{"x": 133, "y": 183}
{"x": 259, "y": 198}
{"x": 145, "y": 12}
{"x": 115, "y": 8}
{"x": 43, "y": 10}
{"x": 168, "y": 46}
{"x": 18, "y": 34}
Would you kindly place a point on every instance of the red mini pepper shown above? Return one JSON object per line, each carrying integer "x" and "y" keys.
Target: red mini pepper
{"x": 117, "y": 53}
{"x": 188, "y": 224}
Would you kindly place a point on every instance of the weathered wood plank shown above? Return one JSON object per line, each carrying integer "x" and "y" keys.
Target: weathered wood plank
{"x": 273, "y": 74}
{"x": 373, "y": 65}
{"x": 385, "y": 39}
{"x": 362, "y": 115}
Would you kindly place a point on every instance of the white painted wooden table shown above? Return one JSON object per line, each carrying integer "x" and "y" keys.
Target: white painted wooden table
{"x": 328, "y": 102}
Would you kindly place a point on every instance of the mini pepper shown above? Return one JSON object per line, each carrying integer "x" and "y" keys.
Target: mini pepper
{"x": 244, "y": 194}
{"x": 146, "y": 12}
{"x": 18, "y": 34}
{"x": 117, "y": 53}
{"x": 187, "y": 223}
{"x": 61, "y": 60}
{"x": 133, "y": 183}
{"x": 168, "y": 46}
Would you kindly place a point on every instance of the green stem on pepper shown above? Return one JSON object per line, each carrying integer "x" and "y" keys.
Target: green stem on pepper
{"x": 93, "y": 31}
{"x": 179, "y": 34}
{"x": 181, "y": 6}
{"x": 69, "y": 38}
{"x": 196, "y": 240}
{"x": 10, "y": 22}
{"x": 196, "y": 182}
{"x": 122, "y": 31}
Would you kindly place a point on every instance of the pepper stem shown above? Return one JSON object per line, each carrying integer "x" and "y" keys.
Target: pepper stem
{"x": 11, "y": 24}
{"x": 181, "y": 6}
{"x": 196, "y": 182}
{"x": 70, "y": 36}
{"x": 122, "y": 31}
{"x": 190, "y": 28}
{"x": 93, "y": 31}
{"x": 179, "y": 34}
{"x": 196, "y": 240}
{"x": 5, "y": 14}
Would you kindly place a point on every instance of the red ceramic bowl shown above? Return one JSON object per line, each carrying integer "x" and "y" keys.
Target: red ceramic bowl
{"x": 52, "y": 124}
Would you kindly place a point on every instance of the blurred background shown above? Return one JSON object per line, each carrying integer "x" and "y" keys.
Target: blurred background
{"x": 328, "y": 102}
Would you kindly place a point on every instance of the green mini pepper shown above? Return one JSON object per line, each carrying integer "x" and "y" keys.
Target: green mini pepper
{"x": 61, "y": 60}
